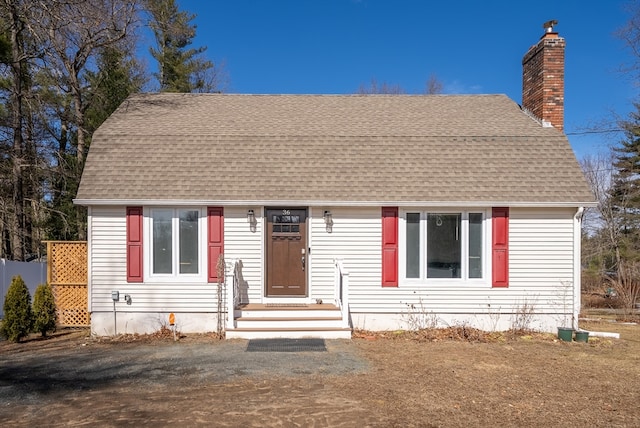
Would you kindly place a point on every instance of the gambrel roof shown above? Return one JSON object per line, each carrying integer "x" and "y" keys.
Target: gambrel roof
{"x": 395, "y": 150}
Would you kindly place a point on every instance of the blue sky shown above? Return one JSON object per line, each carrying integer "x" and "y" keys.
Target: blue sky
{"x": 473, "y": 47}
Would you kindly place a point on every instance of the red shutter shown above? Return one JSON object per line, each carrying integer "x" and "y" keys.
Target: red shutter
{"x": 134, "y": 244}
{"x": 215, "y": 241}
{"x": 500, "y": 246}
{"x": 389, "y": 246}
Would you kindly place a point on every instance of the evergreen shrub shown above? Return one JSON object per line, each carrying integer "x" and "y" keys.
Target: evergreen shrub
{"x": 44, "y": 310}
{"x": 17, "y": 311}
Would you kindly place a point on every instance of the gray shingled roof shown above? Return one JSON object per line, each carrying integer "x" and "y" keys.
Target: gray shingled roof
{"x": 329, "y": 149}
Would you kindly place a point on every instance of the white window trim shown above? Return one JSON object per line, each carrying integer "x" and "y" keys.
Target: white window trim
{"x": 423, "y": 280}
{"x": 176, "y": 277}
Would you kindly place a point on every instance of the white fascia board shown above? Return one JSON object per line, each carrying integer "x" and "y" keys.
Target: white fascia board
{"x": 179, "y": 202}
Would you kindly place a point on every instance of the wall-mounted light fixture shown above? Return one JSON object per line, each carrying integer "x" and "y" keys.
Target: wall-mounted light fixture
{"x": 328, "y": 220}
{"x": 251, "y": 219}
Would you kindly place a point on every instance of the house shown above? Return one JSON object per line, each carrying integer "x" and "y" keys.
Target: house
{"x": 335, "y": 212}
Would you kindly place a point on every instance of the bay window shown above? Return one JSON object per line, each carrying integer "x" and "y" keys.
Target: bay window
{"x": 443, "y": 245}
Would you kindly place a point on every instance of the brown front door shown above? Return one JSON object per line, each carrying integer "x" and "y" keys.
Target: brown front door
{"x": 286, "y": 252}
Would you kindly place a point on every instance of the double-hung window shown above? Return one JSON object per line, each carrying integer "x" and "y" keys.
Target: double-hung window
{"x": 443, "y": 245}
{"x": 176, "y": 244}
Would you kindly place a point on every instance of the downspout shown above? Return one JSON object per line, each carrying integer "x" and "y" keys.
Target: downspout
{"x": 577, "y": 270}
{"x": 577, "y": 265}
{"x": 89, "y": 259}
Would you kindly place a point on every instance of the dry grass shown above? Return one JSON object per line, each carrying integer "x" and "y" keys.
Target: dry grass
{"x": 503, "y": 380}
{"x": 455, "y": 377}
{"x": 460, "y": 333}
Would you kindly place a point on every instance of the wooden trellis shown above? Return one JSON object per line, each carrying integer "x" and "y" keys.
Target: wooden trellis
{"x": 67, "y": 275}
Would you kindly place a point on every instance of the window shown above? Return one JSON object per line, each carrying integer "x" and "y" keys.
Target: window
{"x": 413, "y": 245}
{"x": 475, "y": 245}
{"x": 285, "y": 224}
{"x": 175, "y": 242}
{"x": 443, "y": 245}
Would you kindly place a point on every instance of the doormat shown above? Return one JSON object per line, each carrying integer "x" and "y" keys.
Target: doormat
{"x": 286, "y": 305}
{"x": 286, "y": 345}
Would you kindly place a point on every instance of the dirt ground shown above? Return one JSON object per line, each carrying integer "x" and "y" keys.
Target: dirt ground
{"x": 390, "y": 380}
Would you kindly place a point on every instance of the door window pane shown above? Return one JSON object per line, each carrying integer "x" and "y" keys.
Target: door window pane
{"x": 285, "y": 223}
{"x": 443, "y": 245}
{"x": 475, "y": 245}
{"x": 188, "y": 230}
{"x": 413, "y": 245}
{"x": 162, "y": 239}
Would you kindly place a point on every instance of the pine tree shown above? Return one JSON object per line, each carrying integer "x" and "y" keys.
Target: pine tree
{"x": 44, "y": 310}
{"x": 17, "y": 311}
{"x": 117, "y": 76}
{"x": 625, "y": 204}
{"x": 179, "y": 68}
{"x": 625, "y": 189}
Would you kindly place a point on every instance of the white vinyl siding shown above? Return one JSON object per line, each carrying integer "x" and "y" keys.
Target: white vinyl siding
{"x": 541, "y": 256}
{"x": 541, "y": 266}
{"x": 540, "y": 262}
{"x": 245, "y": 245}
{"x": 355, "y": 238}
{"x": 108, "y": 267}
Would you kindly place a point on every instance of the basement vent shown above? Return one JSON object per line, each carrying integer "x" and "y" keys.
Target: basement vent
{"x": 286, "y": 345}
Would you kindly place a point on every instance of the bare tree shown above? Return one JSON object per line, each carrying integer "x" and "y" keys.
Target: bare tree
{"x": 611, "y": 231}
{"x": 630, "y": 35}
{"x": 380, "y": 88}
{"x": 598, "y": 171}
{"x": 73, "y": 31}
{"x": 433, "y": 85}
{"x": 609, "y": 240}
{"x": 212, "y": 80}
{"x": 17, "y": 86}
{"x": 72, "y": 34}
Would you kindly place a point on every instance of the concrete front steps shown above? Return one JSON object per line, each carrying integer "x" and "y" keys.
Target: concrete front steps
{"x": 293, "y": 321}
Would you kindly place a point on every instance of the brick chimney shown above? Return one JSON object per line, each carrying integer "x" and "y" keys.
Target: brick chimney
{"x": 543, "y": 78}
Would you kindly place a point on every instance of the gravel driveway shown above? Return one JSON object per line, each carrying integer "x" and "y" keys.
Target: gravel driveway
{"x": 30, "y": 376}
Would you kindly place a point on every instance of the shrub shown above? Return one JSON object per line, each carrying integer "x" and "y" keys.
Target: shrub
{"x": 17, "y": 311}
{"x": 44, "y": 310}
{"x": 599, "y": 300}
{"x": 626, "y": 284}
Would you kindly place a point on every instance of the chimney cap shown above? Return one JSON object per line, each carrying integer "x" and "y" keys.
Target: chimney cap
{"x": 548, "y": 26}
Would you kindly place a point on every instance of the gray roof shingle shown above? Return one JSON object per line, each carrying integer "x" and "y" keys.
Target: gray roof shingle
{"x": 329, "y": 149}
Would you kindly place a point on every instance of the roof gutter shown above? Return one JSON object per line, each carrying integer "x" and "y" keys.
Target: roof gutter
{"x": 334, "y": 203}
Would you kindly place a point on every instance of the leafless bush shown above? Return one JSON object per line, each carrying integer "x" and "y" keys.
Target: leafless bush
{"x": 418, "y": 318}
{"x": 494, "y": 316}
{"x": 523, "y": 317}
{"x": 626, "y": 284}
{"x": 599, "y": 300}
{"x": 593, "y": 282}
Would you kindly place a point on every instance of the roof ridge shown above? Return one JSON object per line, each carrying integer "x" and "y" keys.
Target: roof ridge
{"x": 328, "y": 95}
{"x": 316, "y": 136}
